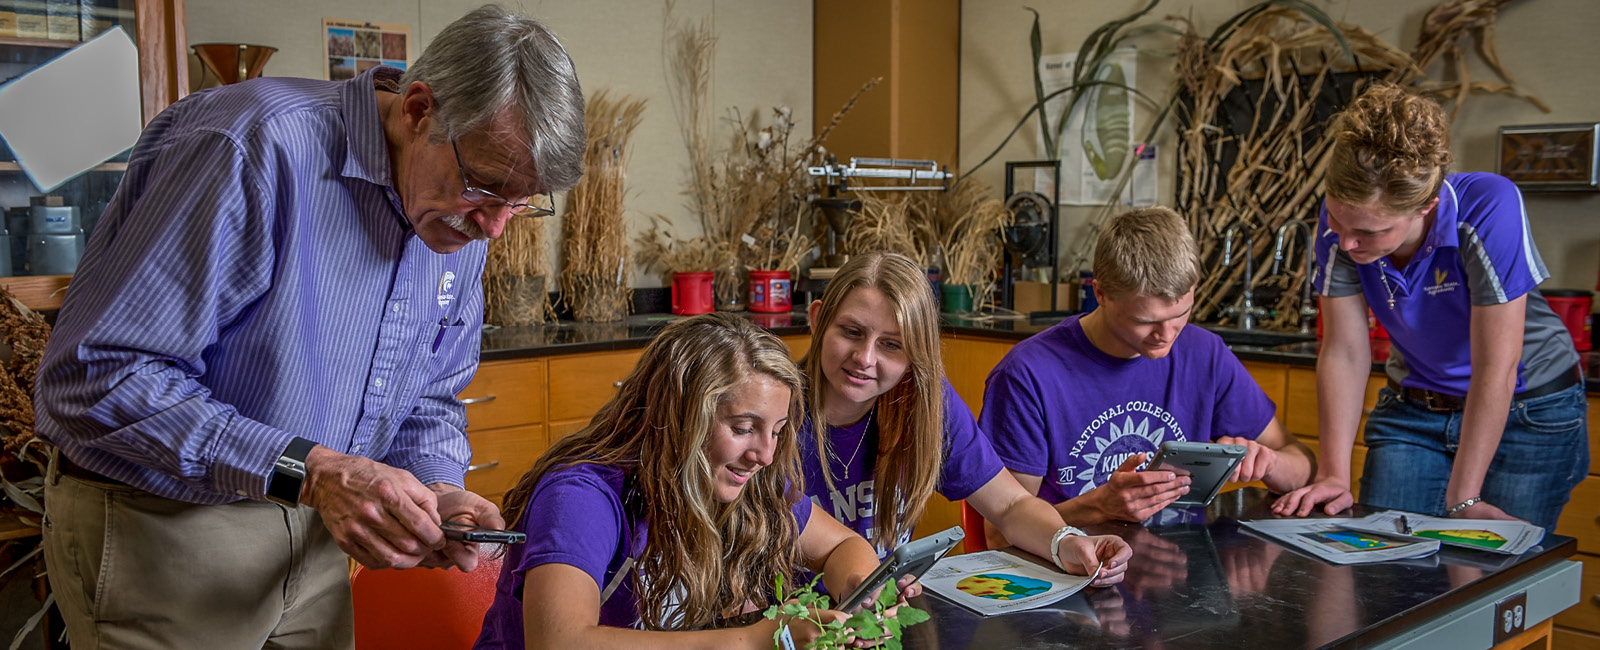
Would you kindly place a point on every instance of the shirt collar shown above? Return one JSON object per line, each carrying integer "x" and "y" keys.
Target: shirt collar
{"x": 367, "y": 149}
{"x": 1443, "y": 234}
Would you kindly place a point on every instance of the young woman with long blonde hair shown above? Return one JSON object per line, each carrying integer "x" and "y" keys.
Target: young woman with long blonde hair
{"x": 885, "y": 430}
{"x": 675, "y": 509}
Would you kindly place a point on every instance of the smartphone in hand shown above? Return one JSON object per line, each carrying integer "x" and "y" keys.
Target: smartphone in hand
{"x": 466, "y": 533}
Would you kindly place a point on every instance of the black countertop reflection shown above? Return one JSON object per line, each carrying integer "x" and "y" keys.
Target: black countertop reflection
{"x": 1198, "y": 580}
{"x": 567, "y": 337}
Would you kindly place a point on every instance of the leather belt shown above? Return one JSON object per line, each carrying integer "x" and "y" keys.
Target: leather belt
{"x": 1445, "y": 402}
{"x": 69, "y": 468}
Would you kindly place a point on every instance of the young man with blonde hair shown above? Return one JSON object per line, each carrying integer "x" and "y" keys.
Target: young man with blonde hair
{"x": 1075, "y": 410}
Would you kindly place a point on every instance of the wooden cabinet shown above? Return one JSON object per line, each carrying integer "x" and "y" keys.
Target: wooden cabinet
{"x": 967, "y": 362}
{"x": 505, "y": 423}
{"x": 156, "y": 27}
{"x": 581, "y": 383}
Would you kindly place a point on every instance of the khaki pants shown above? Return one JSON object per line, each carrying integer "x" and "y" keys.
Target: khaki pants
{"x": 133, "y": 570}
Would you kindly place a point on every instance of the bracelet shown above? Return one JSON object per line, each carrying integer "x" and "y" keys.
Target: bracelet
{"x": 1462, "y": 506}
{"x": 1055, "y": 543}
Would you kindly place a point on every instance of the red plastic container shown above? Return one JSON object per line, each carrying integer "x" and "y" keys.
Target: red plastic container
{"x": 1572, "y": 306}
{"x": 692, "y": 293}
{"x": 769, "y": 291}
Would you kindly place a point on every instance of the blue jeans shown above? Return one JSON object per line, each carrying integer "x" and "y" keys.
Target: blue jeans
{"x": 1543, "y": 455}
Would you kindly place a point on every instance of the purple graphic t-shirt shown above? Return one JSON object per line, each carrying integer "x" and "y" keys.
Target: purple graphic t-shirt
{"x": 575, "y": 516}
{"x": 969, "y": 463}
{"x": 1059, "y": 408}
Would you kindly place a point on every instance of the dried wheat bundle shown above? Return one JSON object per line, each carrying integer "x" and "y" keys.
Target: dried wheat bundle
{"x": 594, "y": 247}
{"x": 659, "y": 249}
{"x": 749, "y": 194}
{"x": 514, "y": 287}
{"x": 24, "y": 332}
{"x": 967, "y": 219}
{"x": 883, "y": 224}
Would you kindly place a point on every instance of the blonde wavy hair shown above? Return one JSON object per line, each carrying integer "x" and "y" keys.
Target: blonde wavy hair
{"x": 1147, "y": 252}
{"x": 1390, "y": 146}
{"x": 656, "y": 428}
{"x": 910, "y": 416}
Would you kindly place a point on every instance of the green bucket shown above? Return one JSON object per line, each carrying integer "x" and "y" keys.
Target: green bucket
{"x": 955, "y": 298}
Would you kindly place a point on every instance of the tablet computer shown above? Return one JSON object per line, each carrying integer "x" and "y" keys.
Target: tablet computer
{"x": 910, "y": 559}
{"x": 1207, "y": 464}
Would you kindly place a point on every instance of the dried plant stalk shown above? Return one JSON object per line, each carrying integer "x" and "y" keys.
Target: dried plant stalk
{"x": 514, "y": 287}
{"x": 961, "y": 223}
{"x": 594, "y": 246}
{"x": 24, "y": 332}
{"x": 749, "y": 195}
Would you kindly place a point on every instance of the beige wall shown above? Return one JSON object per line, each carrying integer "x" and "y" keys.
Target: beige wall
{"x": 763, "y": 60}
{"x": 1552, "y": 46}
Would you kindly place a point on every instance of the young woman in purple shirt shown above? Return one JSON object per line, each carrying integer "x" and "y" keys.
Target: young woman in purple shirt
{"x": 1484, "y": 416}
{"x": 885, "y": 429}
{"x": 675, "y": 509}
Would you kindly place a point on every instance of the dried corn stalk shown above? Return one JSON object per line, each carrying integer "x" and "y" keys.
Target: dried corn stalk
{"x": 594, "y": 272}
{"x": 515, "y": 293}
{"x": 961, "y": 223}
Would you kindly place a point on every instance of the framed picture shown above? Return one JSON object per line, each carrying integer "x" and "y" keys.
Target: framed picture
{"x": 1550, "y": 157}
{"x": 350, "y": 47}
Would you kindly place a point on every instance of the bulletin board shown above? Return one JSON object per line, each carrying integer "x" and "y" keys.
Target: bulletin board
{"x": 351, "y": 47}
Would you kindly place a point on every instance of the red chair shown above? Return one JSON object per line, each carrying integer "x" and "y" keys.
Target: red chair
{"x": 972, "y": 525}
{"x": 438, "y": 609}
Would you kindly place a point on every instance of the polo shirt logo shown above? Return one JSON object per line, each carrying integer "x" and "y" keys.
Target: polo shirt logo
{"x": 447, "y": 287}
{"x": 1441, "y": 283}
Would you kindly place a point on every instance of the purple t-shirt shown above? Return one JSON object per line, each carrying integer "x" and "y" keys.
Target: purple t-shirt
{"x": 575, "y": 516}
{"x": 1478, "y": 252}
{"x": 969, "y": 463}
{"x": 1059, "y": 408}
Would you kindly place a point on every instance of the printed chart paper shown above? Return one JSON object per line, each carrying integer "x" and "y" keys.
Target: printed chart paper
{"x": 1341, "y": 541}
{"x": 997, "y": 582}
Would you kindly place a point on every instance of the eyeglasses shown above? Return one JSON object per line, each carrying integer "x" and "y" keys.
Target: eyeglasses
{"x": 490, "y": 201}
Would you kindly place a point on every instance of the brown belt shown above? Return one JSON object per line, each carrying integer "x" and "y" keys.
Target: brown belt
{"x": 1445, "y": 402}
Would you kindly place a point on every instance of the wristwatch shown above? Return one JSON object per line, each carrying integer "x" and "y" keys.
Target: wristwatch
{"x": 289, "y": 473}
{"x": 1055, "y": 543}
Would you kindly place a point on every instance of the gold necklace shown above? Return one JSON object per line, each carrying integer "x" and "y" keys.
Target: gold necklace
{"x": 861, "y": 442}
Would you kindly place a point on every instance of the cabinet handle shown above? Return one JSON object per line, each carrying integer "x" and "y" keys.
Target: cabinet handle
{"x": 618, "y": 384}
{"x": 488, "y": 465}
{"x": 478, "y": 400}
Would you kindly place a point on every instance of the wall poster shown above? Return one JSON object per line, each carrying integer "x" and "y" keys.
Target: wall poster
{"x": 350, "y": 47}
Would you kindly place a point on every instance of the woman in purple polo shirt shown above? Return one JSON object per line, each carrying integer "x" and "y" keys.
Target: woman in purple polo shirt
{"x": 1484, "y": 416}
{"x": 674, "y": 510}
{"x": 885, "y": 427}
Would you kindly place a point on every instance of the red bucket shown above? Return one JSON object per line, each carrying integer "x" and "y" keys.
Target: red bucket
{"x": 1572, "y": 306}
{"x": 692, "y": 294}
{"x": 769, "y": 291}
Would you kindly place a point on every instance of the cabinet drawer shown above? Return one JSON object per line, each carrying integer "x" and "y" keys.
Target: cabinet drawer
{"x": 559, "y": 430}
{"x": 1273, "y": 379}
{"x": 1301, "y": 415}
{"x": 1586, "y": 614}
{"x": 505, "y": 394}
{"x": 1579, "y": 519}
{"x": 582, "y": 383}
{"x": 1570, "y": 639}
{"x": 501, "y": 456}
{"x": 798, "y": 344}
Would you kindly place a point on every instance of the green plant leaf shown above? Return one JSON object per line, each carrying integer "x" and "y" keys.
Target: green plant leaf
{"x": 1037, "y": 45}
{"x": 771, "y": 614}
{"x": 910, "y": 616}
{"x": 892, "y": 643}
{"x": 795, "y": 609}
{"x": 860, "y": 619}
{"x": 889, "y": 595}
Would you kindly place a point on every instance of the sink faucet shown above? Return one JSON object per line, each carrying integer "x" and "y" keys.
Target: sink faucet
{"x": 1247, "y": 310}
{"x": 1308, "y": 305}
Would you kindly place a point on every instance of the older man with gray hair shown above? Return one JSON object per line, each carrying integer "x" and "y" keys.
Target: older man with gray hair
{"x": 254, "y": 372}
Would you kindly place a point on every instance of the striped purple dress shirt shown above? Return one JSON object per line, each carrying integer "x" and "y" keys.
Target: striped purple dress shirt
{"x": 252, "y": 280}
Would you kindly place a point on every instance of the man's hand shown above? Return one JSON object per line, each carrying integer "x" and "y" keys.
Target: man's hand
{"x": 1162, "y": 564}
{"x": 1258, "y": 460}
{"x": 461, "y": 506}
{"x": 1328, "y": 490}
{"x": 382, "y": 516}
{"x": 1080, "y": 555}
{"x": 1131, "y": 495}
